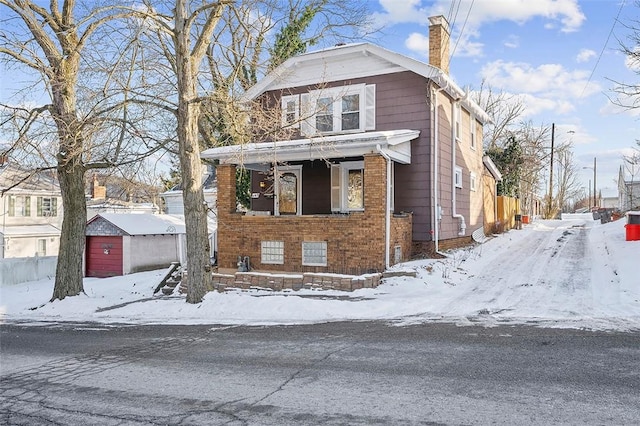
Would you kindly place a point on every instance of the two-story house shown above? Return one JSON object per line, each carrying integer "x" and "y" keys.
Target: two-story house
{"x": 384, "y": 162}
{"x": 30, "y": 212}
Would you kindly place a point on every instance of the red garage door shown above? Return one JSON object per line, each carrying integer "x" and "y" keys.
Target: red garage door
{"x": 104, "y": 256}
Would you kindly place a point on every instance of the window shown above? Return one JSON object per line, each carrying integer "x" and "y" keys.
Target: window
{"x": 42, "y": 247}
{"x": 314, "y": 253}
{"x": 473, "y": 132}
{"x": 458, "y": 177}
{"x": 47, "y": 206}
{"x": 12, "y": 205}
{"x": 272, "y": 252}
{"x": 347, "y": 186}
{"x": 290, "y": 111}
{"x": 473, "y": 181}
{"x": 339, "y": 109}
{"x": 19, "y": 206}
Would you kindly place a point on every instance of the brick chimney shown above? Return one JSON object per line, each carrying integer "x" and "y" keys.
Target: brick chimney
{"x": 98, "y": 192}
{"x": 439, "y": 36}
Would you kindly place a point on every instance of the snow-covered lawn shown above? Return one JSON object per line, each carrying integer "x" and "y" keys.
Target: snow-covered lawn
{"x": 571, "y": 273}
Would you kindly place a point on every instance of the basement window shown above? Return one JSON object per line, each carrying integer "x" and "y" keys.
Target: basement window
{"x": 272, "y": 252}
{"x": 314, "y": 253}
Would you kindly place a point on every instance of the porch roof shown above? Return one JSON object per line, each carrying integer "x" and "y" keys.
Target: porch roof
{"x": 396, "y": 144}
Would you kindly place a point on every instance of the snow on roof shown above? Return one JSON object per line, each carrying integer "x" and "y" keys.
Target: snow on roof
{"x": 148, "y": 224}
{"x": 30, "y": 230}
{"x": 144, "y": 223}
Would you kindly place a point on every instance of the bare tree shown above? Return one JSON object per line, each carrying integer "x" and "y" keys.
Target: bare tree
{"x": 627, "y": 94}
{"x": 505, "y": 111}
{"x": 69, "y": 133}
{"x": 568, "y": 186}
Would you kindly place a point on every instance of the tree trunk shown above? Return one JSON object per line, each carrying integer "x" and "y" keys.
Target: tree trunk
{"x": 198, "y": 261}
{"x": 69, "y": 272}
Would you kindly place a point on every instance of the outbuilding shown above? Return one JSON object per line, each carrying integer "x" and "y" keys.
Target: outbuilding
{"x": 121, "y": 243}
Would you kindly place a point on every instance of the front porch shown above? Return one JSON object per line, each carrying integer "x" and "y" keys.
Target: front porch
{"x": 352, "y": 243}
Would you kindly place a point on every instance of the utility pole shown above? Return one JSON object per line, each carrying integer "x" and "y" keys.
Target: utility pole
{"x": 550, "y": 206}
{"x": 595, "y": 196}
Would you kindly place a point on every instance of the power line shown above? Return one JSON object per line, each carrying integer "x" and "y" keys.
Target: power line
{"x": 464, "y": 24}
{"x": 622, "y": 3}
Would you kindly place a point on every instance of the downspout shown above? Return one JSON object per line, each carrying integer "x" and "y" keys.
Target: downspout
{"x": 435, "y": 155}
{"x": 387, "y": 213}
{"x": 454, "y": 147}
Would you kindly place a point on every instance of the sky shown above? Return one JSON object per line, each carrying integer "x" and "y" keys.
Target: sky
{"x": 561, "y": 56}
{"x": 570, "y": 273}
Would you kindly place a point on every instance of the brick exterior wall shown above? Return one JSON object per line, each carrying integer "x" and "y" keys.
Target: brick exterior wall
{"x": 355, "y": 241}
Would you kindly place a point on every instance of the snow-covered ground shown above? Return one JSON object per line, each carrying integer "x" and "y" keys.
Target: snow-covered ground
{"x": 571, "y": 273}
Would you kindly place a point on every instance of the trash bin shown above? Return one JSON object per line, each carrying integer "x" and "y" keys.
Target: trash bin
{"x": 633, "y": 226}
{"x": 525, "y": 218}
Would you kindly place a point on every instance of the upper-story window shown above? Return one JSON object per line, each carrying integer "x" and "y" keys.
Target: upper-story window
{"x": 457, "y": 112}
{"x": 339, "y": 110}
{"x": 47, "y": 206}
{"x": 19, "y": 206}
{"x": 473, "y": 132}
{"x": 290, "y": 111}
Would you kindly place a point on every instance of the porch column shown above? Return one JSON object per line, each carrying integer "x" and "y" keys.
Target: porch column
{"x": 226, "y": 176}
{"x": 375, "y": 206}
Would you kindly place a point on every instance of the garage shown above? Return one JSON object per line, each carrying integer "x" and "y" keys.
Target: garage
{"x": 126, "y": 243}
{"x": 104, "y": 256}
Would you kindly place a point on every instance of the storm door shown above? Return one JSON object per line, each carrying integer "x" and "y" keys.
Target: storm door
{"x": 289, "y": 199}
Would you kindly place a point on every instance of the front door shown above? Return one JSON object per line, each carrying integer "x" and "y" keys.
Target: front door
{"x": 289, "y": 199}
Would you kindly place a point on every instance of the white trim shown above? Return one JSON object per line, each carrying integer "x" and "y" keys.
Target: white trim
{"x": 473, "y": 181}
{"x": 311, "y": 68}
{"x": 335, "y": 95}
{"x": 284, "y": 103}
{"x": 473, "y": 131}
{"x": 297, "y": 171}
{"x": 396, "y": 144}
{"x": 457, "y": 177}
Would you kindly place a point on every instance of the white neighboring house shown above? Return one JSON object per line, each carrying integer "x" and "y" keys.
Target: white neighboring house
{"x": 174, "y": 203}
{"x": 628, "y": 190}
{"x": 30, "y": 212}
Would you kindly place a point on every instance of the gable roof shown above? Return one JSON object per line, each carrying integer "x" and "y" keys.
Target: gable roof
{"x": 491, "y": 166}
{"x": 146, "y": 223}
{"x": 356, "y": 60}
{"x": 143, "y": 224}
{"x": 26, "y": 180}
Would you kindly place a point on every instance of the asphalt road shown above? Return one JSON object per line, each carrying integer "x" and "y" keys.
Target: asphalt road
{"x": 358, "y": 373}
